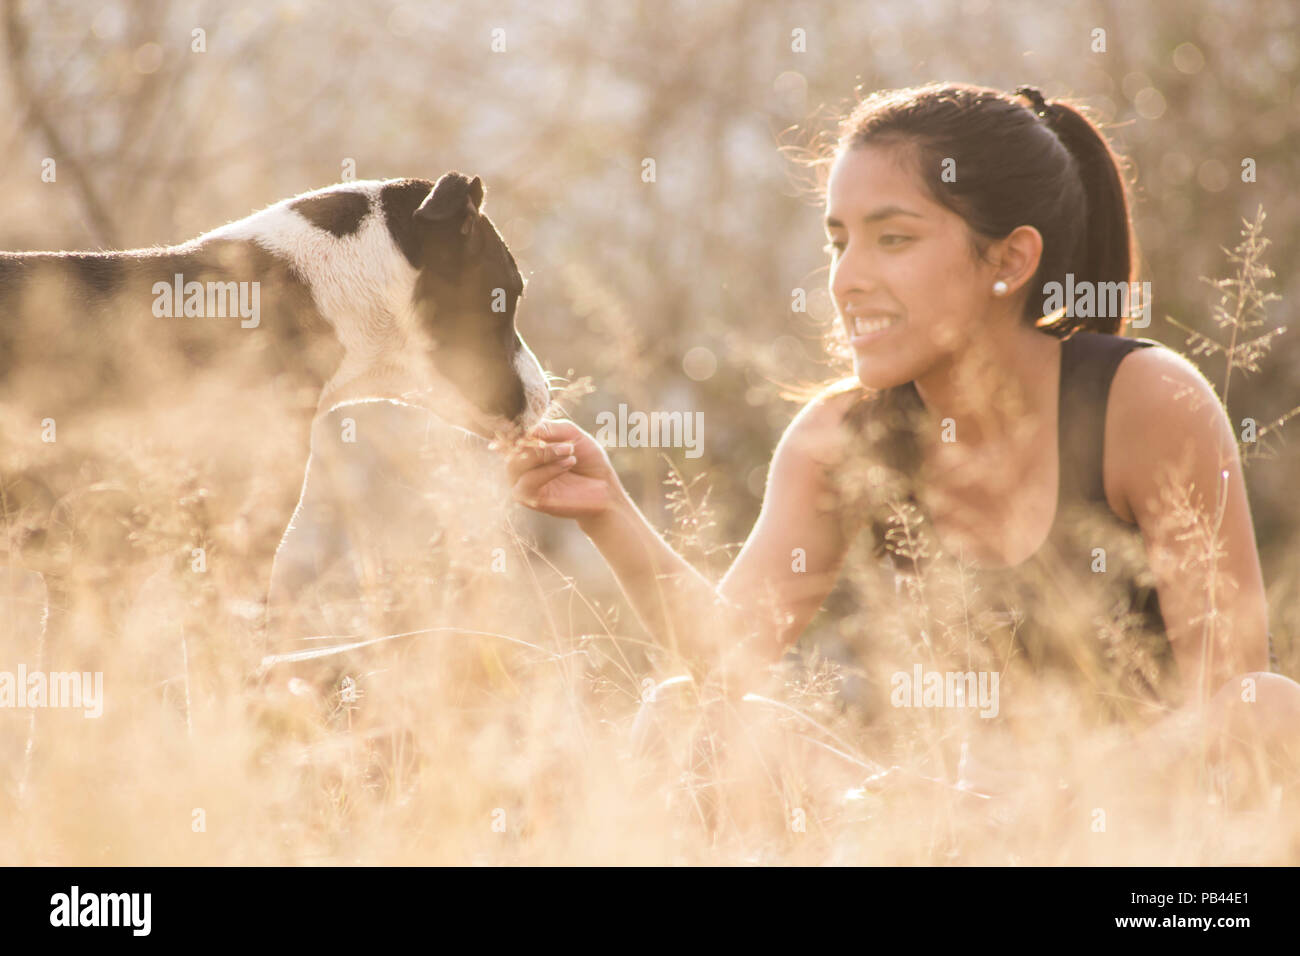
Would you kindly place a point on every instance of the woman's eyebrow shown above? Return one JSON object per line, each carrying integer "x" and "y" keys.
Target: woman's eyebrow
{"x": 883, "y": 212}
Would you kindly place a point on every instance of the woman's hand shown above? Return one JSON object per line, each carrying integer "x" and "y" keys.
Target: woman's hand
{"x": 558, "y": 469}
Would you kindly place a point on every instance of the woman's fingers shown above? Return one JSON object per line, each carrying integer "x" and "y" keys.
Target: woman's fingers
{"x": 549, "y": 441}
{"x": 550, "y": 450}
{"x": 527, "y": 487}
{"x": 527, "y": 456}
{"x": 558, "y": 429}
{"x": 547, "y": 431}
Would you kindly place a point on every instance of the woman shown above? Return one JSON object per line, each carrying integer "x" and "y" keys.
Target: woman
{"x": 950, "y": 209}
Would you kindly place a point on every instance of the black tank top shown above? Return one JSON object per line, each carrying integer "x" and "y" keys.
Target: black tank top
{"x": 1085, "y": 604}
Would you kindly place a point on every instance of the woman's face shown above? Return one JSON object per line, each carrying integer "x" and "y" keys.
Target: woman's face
{"x": 903, "y": 276}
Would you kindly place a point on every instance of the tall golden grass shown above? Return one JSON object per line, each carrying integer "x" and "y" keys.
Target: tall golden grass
{"x": 532, "y": 741}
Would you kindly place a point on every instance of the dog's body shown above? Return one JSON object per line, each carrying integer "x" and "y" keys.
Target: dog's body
{"x": 396, "y": 289}
{"x": 402, "y": 524}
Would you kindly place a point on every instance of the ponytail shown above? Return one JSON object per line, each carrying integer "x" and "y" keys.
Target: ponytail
{"x": 1105, "y": 253}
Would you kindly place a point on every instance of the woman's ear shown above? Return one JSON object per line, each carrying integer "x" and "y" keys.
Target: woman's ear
{"x": 1017, "y": 257}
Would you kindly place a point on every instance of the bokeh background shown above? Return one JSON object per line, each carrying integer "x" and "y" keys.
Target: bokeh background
{"x": 673, "y": 294}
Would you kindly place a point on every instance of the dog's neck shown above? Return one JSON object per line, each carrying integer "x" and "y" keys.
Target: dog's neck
{"x": 405, "y": 376}
{"x": 449, "y": 434}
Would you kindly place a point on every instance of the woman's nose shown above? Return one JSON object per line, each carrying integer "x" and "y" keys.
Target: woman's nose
{"x": 851, "y": 280}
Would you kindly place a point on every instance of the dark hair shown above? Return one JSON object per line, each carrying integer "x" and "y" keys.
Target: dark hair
{"x": 1044, "y": 165}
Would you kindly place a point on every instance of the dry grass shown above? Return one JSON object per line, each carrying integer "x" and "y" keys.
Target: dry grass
{"x": 520, "y": 742}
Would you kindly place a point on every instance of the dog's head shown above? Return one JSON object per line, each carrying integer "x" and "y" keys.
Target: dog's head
{"x": 465, "y": 300}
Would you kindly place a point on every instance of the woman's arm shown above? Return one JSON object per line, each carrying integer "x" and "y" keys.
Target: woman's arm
{"x": 1173, "y": 444}
{"x": 783, "y": 573}
{"x": 1181, "y": 476}
{"x": 793, "y": 556}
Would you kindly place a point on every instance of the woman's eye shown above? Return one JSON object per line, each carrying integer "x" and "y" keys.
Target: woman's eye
{"x": 836, "y": 247}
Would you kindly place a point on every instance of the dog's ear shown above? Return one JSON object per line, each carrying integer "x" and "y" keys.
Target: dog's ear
{"x": 454, "y": 199}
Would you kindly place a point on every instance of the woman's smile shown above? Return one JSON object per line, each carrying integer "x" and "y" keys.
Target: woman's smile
{"x": 865, "y": 327}
{"x": 868, "y": 329}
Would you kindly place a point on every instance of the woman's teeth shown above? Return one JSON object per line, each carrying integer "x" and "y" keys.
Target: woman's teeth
{"x": 867, "y": 326}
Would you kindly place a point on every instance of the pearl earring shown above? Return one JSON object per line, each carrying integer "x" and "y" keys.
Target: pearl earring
{"x": 999, "y": 288}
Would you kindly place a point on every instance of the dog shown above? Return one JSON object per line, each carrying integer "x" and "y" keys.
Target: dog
{"x": 398, "y": 289}
{"x": 407, "y": 277}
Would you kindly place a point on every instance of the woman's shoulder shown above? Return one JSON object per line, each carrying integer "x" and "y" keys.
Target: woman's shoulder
{"x": 1141, "y": 373}
{"x": 1163, "y": 412}
{"x": 828, "y": 421}
{"x": 833, "y": 401}
{"x": 1154, "y": 377}
{"x": 825, "y": 410}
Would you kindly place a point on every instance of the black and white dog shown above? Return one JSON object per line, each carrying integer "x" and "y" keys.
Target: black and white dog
{"x": 407, "y": 276}
{"x": 397, "y": 289}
